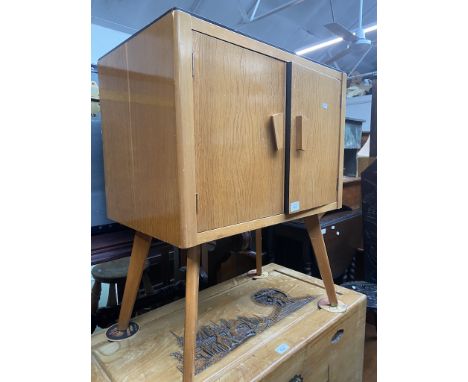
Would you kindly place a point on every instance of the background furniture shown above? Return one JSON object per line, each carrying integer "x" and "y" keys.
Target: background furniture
{"x": 360, "y": 108}
{"x": 113, "y": 272}
{"x": 162, "y": 272}
{"x": 369, "y": 214}
{"x": 352, "y": 192}
{"x": 352, "y": 144}
{"x": 342, "y": 231}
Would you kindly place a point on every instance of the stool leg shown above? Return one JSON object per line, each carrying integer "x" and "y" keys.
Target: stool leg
{"x": 111, "y": 300}
{"x": 95, "y": 296}
{"x": 258, "y": 251}
{"x": 141, "y": 246}
{"x": 191, "y": 312}
{"x": 315, "y": 233}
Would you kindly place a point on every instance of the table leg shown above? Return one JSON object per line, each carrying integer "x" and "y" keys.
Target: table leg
{"x": 191, "y": 312}
{"x": 141, "y": 246}
{"x": 312, "y": 224}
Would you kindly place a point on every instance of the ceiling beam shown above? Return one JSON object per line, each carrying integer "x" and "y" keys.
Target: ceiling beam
{"x": 360, "y": 60}
{"x": 195, "y": 5}
{"x": 252, "y": 16}
{"x": 274, "y": 10}
{"x": 244, "y": 15}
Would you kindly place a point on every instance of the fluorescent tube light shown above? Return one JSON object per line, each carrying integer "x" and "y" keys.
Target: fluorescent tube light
{"x": 324, "y": 44}
{"x": 370, "y": 29}
{"x": 319, "y": 46}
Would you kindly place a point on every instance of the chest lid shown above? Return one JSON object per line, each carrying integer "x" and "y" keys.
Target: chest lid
{"x": 245, "y": 326}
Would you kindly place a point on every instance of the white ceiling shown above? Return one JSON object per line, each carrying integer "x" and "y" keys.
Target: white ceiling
{"x": 292, "y": 28}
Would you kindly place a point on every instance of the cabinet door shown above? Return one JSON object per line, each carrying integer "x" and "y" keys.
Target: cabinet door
{"x": 314, "y": 141}
{"x": 239, "y": 150}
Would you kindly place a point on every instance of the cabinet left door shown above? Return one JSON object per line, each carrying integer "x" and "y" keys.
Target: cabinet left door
{"x": 239, "y": 111}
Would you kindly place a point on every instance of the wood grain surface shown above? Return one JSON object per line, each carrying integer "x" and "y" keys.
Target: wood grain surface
{"x": 141, "y": 246}
{"x": 139, "y": 123}
{"x": 278, "y": 130}
{"x": 307, "y": 333}
{"x": 191, "y": 312}
{"x": 316, "y": 100}
{"x": 116, "y": 136}
{"x": 234, "y": 229}
{"x": 185, "y": 135}
{"x": 239, "y": 172}
{"x": 344, "y": 79}
{"x": 221, "y": 33}
{"x": 312, "y": 224}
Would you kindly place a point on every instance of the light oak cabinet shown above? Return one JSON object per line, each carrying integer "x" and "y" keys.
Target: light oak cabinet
{"x": 208, "y": 133}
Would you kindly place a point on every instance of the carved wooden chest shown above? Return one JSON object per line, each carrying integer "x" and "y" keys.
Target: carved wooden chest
{"x": 269, "y": 329}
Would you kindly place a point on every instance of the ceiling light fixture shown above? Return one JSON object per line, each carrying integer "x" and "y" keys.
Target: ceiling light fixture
{"x": 324, "y": 44}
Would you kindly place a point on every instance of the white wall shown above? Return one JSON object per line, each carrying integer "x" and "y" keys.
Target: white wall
{"x": 103, "y": 40}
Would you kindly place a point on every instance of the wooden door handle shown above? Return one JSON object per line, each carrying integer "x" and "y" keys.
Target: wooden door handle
{"x": 302, "y": 132}
{"x": 277, "y": 122}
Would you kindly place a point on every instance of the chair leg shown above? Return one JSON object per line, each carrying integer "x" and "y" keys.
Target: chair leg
{"x": 312, "y": 224}
{"x": 141, "y": 246}
{"x": 191, "y": 312}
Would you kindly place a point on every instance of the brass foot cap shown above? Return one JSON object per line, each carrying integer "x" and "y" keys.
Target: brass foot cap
{"x": 114, "y": 334}
{"x": 253, "y": 273}
{"x": 325, "y": 305}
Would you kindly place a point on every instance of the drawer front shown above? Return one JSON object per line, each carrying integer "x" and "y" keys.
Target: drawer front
{"x": 239, "y": 114}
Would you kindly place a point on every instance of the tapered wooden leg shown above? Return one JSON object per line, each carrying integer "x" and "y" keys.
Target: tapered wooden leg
{"x": 191, "y": 312}
{"x": 258, "y": 251}
{"x": 141, "y": 246}
{"x": 315, "y": 233}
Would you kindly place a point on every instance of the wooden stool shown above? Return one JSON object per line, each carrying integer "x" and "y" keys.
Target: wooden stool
{"x": 114, "y": 273}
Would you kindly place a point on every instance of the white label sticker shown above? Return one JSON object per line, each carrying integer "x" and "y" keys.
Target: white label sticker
{"x": 325, "y": 106}
{"x": 282, "y": 348}
{"x": 295, "y": 206}
{"x": 324, "y": 231}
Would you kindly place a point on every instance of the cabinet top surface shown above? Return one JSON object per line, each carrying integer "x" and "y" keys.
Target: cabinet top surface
{"x": 215, "y": 23}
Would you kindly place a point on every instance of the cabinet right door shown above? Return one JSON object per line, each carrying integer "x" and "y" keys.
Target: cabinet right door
{"x": 314, "y": 141}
